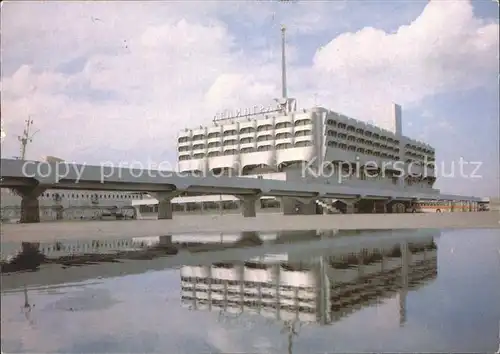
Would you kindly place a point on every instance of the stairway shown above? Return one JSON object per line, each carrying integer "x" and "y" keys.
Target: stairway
{"x": 326, "y": 206}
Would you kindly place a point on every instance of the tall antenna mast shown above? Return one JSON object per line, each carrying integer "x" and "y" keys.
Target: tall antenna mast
{"x": 26, "y": 137}
{"x": 283, "y": 62}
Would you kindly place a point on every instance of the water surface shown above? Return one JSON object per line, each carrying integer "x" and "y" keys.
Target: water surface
{"x": 450, "y": 303}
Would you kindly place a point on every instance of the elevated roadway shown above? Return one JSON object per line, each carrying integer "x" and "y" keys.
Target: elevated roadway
{"x": 31, "y": 178}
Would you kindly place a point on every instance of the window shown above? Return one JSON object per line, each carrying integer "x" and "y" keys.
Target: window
{"x": 247, "y": 150}
{"x": 213, "y": 135}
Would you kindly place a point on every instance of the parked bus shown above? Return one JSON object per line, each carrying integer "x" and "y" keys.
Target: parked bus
{"x": 432, "y": 206}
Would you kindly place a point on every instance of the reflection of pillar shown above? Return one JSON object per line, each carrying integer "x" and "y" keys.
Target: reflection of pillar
{"x": 241, "y": 276}
{"x": 208, "y": 271}
{"x": 225, "y": 295}
{"x": 361, "y": 266}
{"x": 405, "y": 258}
{"x": 291, "y": 236}
{"x": 277, "y": 271}
{"x": 195, "y": 304}
{"x": 323, "y": 284}
{"x": 259, "y": 293}
{"x": 250, "y": 238}
{"x": 165, "y": 240}
{"x": 383, "y": 263}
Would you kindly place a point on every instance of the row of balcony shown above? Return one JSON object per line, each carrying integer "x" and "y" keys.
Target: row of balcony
{"x": 362, "y": 132}
{"x": 367, "y": 142}
{"x": 420, "y": 147}
{"x": 417, "y": 149}
{"x": 265, "y": 126}
{"x": 246, "y": 140}
{"x": 362, "y": 150}
{"x": 245, "y": 150}
{"x": 417, "y": 156}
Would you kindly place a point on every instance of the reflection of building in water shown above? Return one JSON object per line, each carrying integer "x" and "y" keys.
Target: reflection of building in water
{"x": 78, "y": 247}
{"x": 322, "y": 290}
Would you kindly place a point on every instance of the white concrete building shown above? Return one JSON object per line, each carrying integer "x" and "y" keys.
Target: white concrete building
{"x": 285, "y": 143}
{"x": 277, "y": 139}
{"x": 270, "y": 145}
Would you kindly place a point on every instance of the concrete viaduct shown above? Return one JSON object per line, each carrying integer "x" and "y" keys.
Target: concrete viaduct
{"x": 31, "y": 178}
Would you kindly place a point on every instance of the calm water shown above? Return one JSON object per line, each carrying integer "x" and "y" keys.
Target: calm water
{"x": 451, "y": 302}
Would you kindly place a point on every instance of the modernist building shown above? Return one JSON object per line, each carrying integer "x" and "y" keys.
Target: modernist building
{"x": 274, "y": 143}
{"x": 283, "y": 142}
{"x": 310, "y": 144}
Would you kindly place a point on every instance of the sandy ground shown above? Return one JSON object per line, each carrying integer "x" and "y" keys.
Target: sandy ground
{"x": 46, "y": 232}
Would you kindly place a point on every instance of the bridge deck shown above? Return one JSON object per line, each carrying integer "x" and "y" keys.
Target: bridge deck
{"x": 79, "y": 230}
{"x": 73, "y": 176}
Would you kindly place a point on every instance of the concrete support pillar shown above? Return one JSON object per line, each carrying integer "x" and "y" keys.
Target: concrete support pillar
{"x": 288, "y": 206}
{"x": 165, "y": 204}
{"x": 308, "y": 208}
{"x": 387, "y": 205}
{"x": 366, "y": 206}
{"x": 30, "y": 207}
{"x": 165, "y": 209}
{"x": 380, "y": 206}
{"x": 350, "y": 208}
{"x": 247, "y": 203}
{"x": 327, "y": 233}
{"x": 298, "y": 206}
{"x": 137, "y": 212}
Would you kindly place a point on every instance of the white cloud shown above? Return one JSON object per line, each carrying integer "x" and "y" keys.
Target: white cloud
{"x": 445, "y": 49}
{"x": 122, "y": 85}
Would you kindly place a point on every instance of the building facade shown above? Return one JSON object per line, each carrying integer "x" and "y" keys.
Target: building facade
{"x": 315, "y": 143}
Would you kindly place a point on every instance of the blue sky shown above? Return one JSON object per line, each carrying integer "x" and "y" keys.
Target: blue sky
{"x": 107, "y": 81}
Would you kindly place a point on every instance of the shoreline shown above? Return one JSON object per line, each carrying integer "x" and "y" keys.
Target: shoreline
{"x": 88, "y": 230}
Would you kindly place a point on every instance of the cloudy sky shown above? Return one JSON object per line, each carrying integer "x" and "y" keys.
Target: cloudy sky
{"x": 109, "y": 81}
